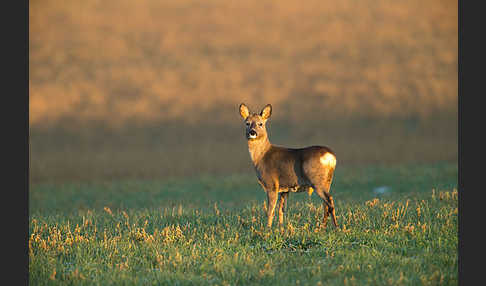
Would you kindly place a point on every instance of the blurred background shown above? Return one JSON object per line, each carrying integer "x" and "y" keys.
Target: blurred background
{"x": 150, "y": 89}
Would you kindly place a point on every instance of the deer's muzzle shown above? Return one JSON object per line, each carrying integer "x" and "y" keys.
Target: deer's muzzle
{"x": 252, "y": 134}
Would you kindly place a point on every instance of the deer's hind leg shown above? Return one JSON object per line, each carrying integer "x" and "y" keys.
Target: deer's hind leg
{"x": 326, "y": 215}
{"x": 322, "y": 184}
{"x": 333, "y": 209}
{"x": 328, "y": 204}
{"x": 327, "y": 188}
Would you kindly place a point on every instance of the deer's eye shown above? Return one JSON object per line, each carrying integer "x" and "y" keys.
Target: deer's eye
{"x": 247, "y": 123}
{"x": 260, "y": 124}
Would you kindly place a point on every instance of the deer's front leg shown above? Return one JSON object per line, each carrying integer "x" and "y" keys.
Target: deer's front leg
{"x": 272, "y": 196}
{"x": 282, "y": 207}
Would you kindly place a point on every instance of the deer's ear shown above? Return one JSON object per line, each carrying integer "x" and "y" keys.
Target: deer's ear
{"x": 266, "y": 111}
{"x": 244, "y": 112}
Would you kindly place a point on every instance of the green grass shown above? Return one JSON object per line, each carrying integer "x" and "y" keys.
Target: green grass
{"x": 210, "y": 231}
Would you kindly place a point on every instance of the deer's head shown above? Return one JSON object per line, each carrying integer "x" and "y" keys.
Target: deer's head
{"x": 255, "y": 123}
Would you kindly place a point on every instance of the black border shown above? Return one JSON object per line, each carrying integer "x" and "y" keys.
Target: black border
{"x": 15, "y": 141}
{"x": 470, "y": 160}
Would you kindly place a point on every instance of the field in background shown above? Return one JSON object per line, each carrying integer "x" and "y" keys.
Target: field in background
{"x": 175, "y": 150}
{"x": 150, "y": 89}
{"x": 153, "y": 60}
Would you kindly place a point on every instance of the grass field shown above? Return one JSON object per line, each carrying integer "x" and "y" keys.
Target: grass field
{"x": 139, "y": 171}
{"x": 398, "y": 226}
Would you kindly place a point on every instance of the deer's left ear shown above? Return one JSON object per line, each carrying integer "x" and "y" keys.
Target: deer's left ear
{"x": 244, "y": 112}
{"x": 266, "y": 111}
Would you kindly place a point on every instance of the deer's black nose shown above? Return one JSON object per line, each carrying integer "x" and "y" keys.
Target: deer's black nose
{"x": 252, "y": 133}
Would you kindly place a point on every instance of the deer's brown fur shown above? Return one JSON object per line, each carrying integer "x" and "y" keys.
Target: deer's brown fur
{"x": 283, "y": 170}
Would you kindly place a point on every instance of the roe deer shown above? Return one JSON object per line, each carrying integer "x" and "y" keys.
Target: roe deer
{"x": 282, "y": 170}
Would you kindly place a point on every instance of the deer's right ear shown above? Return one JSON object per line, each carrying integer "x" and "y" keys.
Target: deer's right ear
{"x": 266, "y": 111}
{"x": 244, "y": 112}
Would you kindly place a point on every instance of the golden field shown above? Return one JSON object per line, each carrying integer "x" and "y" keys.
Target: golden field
{"x": 151, "y": 88}
{"x": 119, "y": 60}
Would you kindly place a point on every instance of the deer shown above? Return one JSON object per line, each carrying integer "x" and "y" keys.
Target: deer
{"x": 281, "y": 170}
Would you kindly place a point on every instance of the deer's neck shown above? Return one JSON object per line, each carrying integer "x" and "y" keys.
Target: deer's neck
{"x": 258, "y": 148}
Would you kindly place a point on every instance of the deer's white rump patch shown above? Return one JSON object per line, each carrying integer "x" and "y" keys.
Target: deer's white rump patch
{"x": 328, "y": 160}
